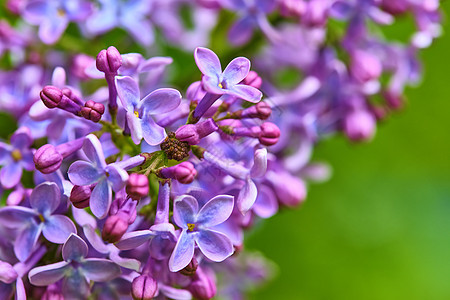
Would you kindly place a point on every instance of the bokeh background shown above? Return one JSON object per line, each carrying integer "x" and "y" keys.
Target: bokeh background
{"x": 380, "y": 227}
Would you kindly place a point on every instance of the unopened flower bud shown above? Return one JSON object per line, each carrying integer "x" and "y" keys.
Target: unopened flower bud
{"x": 80, "y": 195}
{"x": 261, "y": 110}
{"x": 359, "y": 125}
{"x": 137, "y": 186}
{"x": 92, "y": 111}
{"x": 193, "y": 133}
{"x": 191, "y": 268}
{"x": 203, "y": 286}
{"x": 115, "y": 227}
{"x": 270, "y": 133}
{"x": 109, "y": 61}
{"x": 292, "y": 8}
{"x": 184, "y": 172}
{"x": 51, "y": 96}
{"x": 7, "y": 273}
{"x": 47, "y": 159}
{"x": 252, "y": 79}
{"x": 365, "y": 66}
{"x": 144, "y": 287}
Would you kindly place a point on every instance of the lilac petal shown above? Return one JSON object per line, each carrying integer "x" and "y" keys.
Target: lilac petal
{"x": 185, "y": 209}
{"x": 141, "y": 30}
{"x": 20, "y": 290}
{"x": 236, "y": 70}
{"x": 58, "y": 228}
{"x": 174, "y": 293}
{"x": 45, "y": 198}
{"x": 208, "y": 62}
{"x": 93, "y": 238}
{"x": 247, "y": 196}
{"x": 84, "y": 173}
{"x": 241, "y": 31}
{"x": 5, "y": 153}
{"x": 129, "y": 263}
{"x": 59, "y": 77}
{"x": 16, "y": 216}
{"x": 52, "y": 28}
{"x": 46, "y": 275}
{"x": 160, "y": 101}
{"x": 10, "y": 175}
{"x": 266, "y": 204}
{"x": 116, "y": 176}
{"x": 21, "y": 138}
{"x": 131, "y": 240}
{"x": 99, "y": 269}
{"x": 76, "y": 286}
{"x": 214, "y": 245}
{"x": 260, "y": 165}
{"x": 246, "y": 92}
{"x": 74, "y": 248}
{"x": 128, "y": 92}
{"x": 93, "y": 150}
{"x": 103, "y": 20}
{"x": 101, "y": 198}
{"x": 183, "y": 252}
{"x": 134, "y": 123}
{"x": 216, "y": 211}
{"x": 152, "y": 132}
{"x": 26, "y": 240}
{"x": 211, "y": 84}
{"x": 35, "y": 11}
{"x": 83, "y": 218}
{"x": 154, "y": 63}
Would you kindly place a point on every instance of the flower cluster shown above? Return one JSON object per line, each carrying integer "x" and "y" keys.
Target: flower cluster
{"x": 116, "y": 184}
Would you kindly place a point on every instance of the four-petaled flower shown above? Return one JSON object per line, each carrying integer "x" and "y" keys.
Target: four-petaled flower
{"x": 139, "y": 111}
{"x": 16, "y": 157}
{"x": 227, "y": 82}
{"x": 197, "y": 229}
{"x": 75, "y": 269}
{"x": 107, "y": 177}
{"x": 44, "y": 200}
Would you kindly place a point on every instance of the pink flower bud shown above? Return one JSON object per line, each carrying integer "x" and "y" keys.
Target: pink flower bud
{"x": 193, "y": 133}
{"x": 115, "y": 227}
{"x": 47, "y": 159}
{"x": 80, "y": 195}
{"x": 109, "y": 61}
{"x": 51, "y": 96}
{"x": 137, "y": 186}
{"x": 184, "y": 172}
{"x": 92, "y": 111}
{"x": 144, "y": 287}
{"x": 359, "y": 125}
{"x": 252, "y": 79}
{"x": 270, "y": 133}
{"x": 203, "y": 286}
{"x": 261, "y": 110}
{"x": 7, "y": 273}
{"x": 365, "y": 66}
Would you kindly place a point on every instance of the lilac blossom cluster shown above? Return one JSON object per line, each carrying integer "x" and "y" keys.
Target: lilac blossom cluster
{"x": 133, "y": 189}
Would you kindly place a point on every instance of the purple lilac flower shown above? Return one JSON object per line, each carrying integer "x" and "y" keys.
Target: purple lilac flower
{"x": 139, "y": 112}
{"x": 196, "y": 230}
{"x": 16, "y": 157}
{"x": 107, "y": 177}
{"x": 44, "y": 200}
{"x": 76, "y": 270}
{"x": 53, "y": 16}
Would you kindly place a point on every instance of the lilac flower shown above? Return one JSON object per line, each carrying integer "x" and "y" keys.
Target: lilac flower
{"x": 227, "y": 82}
{"x": 76, "y": 270}
{"x": 108, "y": 177}
{"x": 53, "y": 16}
{"x": 44, "y": 200}
{"x": 132, "y": 16}
{"x": 16, "y": 157}
{"x": 139, "y": 112}
{"x": 196, "y": 230}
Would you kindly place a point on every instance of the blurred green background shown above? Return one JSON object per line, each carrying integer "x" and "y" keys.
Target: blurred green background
{"x": 380, "y": 227}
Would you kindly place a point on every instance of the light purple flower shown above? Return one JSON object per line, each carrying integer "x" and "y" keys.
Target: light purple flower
{"x": 227, "y": 82}
{"x": 196, "y": 230}
{"x": 53, "y": 16}
{"x": 139, "y": 112}
{"x": 76, "y": 270}
{"x": 16, "y": 157}
{"x": 107, "y": 177}
{"x": 44, "y": 200}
